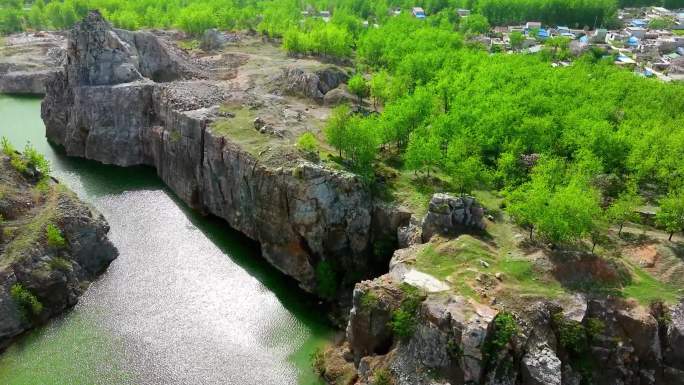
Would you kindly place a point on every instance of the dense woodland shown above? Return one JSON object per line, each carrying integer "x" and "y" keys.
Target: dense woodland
{"x": 573, "y": 149}
{"x": 277, "y": 16}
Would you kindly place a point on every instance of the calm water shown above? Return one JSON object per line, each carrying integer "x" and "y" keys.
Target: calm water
{"x": 188, "y": 301}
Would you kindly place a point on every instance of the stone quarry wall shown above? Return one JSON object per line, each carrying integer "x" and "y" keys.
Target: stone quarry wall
{"x": 104, "y": 107}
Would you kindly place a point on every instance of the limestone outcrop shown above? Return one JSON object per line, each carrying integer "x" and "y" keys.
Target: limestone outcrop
{"x": 28, "y": 60}
{"x": 38, "y": 278}
{"x": 454, "y": 339}
{"x": 449, "y": 215}
{"x": 110, "y": 105}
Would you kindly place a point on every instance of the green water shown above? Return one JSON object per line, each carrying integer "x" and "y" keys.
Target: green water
{"x": 188, "y": 301}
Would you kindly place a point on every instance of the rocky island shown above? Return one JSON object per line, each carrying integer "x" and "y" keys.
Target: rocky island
{"x": 51, "y": 244}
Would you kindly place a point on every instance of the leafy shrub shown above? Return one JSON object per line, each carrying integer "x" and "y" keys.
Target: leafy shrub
{"x": 28, "y": 303}
{"x": 307, "y": 142}
{"x": 326, "y": 278}
{"x": 30, "y": 159}
{"x": 571, "y": 334}
{"x": 36, "y": 160}
{"x": 54, "y": 237}
{"x": 595, "y": 327}
{"x": 405, "y": 319}
{"x": 369, "y": 300}
{"x": 505, "y": 328}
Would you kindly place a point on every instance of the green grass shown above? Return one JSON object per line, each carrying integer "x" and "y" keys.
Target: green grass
{"x": 29, "y": 234}
{"x": 189, "y": 44}
{"x": 240, "y": 130}
{"x": 458, "y": 262}
{"x": 647, "y": 289}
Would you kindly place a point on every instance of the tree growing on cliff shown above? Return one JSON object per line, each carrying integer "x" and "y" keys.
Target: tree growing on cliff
{"x": 671, "y": 213}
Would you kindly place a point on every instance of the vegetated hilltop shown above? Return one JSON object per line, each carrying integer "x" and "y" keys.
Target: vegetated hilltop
{"x": 51, "y": 243}
{"x": 275, "y": 17}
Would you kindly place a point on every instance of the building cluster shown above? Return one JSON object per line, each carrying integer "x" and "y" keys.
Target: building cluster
{"x": 650, "y": 41}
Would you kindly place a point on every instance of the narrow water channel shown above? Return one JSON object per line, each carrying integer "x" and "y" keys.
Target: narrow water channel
{"x": 188, "y": 301}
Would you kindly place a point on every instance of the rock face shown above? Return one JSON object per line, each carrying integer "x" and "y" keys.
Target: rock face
{"x": 314, "y": 85}
{"x": 107, "y": 106}
{"x": 28, "y": 60}
{"x": 611, "y": 342}
{"x": 54, "y": 275}
{"x": 212, "y": 40}
{"x": 448, "y": 215}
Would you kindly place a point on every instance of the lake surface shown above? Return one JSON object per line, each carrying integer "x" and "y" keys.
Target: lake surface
{"x": 188, "y": 301}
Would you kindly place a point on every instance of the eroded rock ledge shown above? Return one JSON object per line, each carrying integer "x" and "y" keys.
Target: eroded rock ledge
{"x": 40, "y": 278}
{"x": 128, "y": 98}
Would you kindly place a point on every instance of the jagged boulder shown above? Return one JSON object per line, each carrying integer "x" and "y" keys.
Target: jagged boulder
{"x": 212, "y": 40}
{"x": 368, "y": 330}
{"x": 311, "y": 84}
{"x": 541, "y": 367}
{"x": 449, "y": 215}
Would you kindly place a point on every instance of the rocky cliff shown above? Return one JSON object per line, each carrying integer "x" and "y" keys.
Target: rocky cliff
{"x": 478, "y": 309}
{"x": 448, "y": 338}
{"x": 51, "y": 246}
{"x": 130, "y": 98}
{"x": 28, "y": 60}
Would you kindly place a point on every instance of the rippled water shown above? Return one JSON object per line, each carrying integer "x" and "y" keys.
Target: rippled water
{"x": 188, "y": 301}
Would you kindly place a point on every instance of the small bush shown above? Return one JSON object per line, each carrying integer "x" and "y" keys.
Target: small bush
{"x": 572, "y": 335}
{"x": 505, "y": 328}
{"x": 54, "y": 237}
{"x": 326, "y": 279}
{"x": 405, "y": 319}
{"x": 369, "y": 300}
{"x": 36, "y": 160}
{"x": 28, "y": 303}
{"x": 595, "y": 327}
{"x": 307, "y": 142}
{"x": 31, "y": 158}
{"x": 382, "y": 377}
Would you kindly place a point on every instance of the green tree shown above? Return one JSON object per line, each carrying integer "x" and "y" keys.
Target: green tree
{"x": 424, "y": 151}
{"x": 671, "y": 213}
{"x": 476, "y": 24}
{"x": 623, "y": 209}
{"x": 359, "y": 87}
{"x": 379, "y": 88}
{"x": 661, "y": 23}
{"x": 570, "y": 213}
{"x": 336, "y": 128}
{"x": 516, "y": 39}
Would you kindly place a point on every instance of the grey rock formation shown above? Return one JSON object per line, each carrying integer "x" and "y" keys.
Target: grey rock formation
{"x": 28, "y": 60}
{"x": 368, "y": 330}
{"x": 212, "y": 40}
{"x": 25, "y": 82}
{"x": 56, "y": 277}
{"x": 541, "y": 367}
{"x": 449, "y": 215}
{"x": 312, "y": 84}
{"x": 301, "y": 213}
